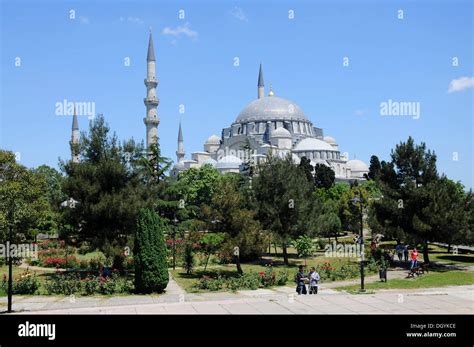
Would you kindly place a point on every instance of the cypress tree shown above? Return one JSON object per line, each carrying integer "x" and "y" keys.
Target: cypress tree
{"x": 151, "y": 268}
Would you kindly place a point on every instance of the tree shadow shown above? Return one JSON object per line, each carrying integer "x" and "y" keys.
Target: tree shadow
{"x": 457, "y": 258}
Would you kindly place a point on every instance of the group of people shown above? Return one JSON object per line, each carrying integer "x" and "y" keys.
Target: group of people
{"x": 402, "y": 253}
{"x": 312, "y": 278}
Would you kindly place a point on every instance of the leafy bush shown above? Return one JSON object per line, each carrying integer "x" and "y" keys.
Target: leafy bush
{"x": 346, "y": 271}
{"x": 72, "y": 283}
{"x": 321, "y": 244}
{"x": 97, "y": 262}
{"x": 25, "y": 284}
{"x": 251, "y": 280}
{"x": 151, "y": 268}
{"x": 63, "y": 283}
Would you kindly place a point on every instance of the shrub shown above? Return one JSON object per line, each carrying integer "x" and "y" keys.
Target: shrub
{"x": 250, "y": 280}
{"x": 97, "y": 263}
{"x": 25, "y": 284}
{"x": 63, "y": 283}
{"x": 151, "y": 268}
{"x": 188, "y": 257}
{"x": 321, "y": 244}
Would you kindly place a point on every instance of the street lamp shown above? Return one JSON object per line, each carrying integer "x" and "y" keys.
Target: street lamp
{"x": 175, "y": 222}
{"x": 11, "y": 207}
{"x": 358, "y": 200}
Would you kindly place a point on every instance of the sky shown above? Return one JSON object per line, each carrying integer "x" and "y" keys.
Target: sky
{"x": 338, "y": 60}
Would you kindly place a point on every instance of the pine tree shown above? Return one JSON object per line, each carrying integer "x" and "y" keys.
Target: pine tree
{"x": 375, "y": 168}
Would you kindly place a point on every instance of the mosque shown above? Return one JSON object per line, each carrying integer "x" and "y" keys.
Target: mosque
{"x": 267, "y": 125}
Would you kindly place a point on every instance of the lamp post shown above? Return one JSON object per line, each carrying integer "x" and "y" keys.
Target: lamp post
{"x": 175, "y": 222}
{"x": 359, "y": 200}
{"x": 11, "y": 210}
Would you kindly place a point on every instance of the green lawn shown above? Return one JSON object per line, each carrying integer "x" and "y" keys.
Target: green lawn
{"x": 429, "y": 280}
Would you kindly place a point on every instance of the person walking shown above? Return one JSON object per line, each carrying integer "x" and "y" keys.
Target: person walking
{"x": 299, "y": 278}
{"x": 405, "y": 252}
{"x": 399, "y": 251}
{"x": 313, "y": 278}
{"x": 414, "y": 258}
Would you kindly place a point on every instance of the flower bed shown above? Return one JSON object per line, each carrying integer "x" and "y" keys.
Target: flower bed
{"x": 90, "y": 284}
{"x": 251, "y": 280}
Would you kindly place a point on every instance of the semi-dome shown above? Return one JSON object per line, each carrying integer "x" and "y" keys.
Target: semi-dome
{"x": 213, "y": 139}
{"x": 312, "y": 144}
{"x": 281, "y": 133}
{"x": 330, "y": 140}
{"x": 271, "y": 108}
{"x": 230, "y": 159}
{"x": 209, "y": 161}
{"x": 229, "y": 162}
{"x": 357, "y": 165}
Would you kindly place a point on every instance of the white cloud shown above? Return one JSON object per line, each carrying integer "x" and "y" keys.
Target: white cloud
{"x": 360, "y": 112}
{"x": 133, "y": 20}
{"x": 460, "y": 84}
{"x": 239, "y": 14}
{"x": 84, "y": 20}
{"x": 180, "y": 30}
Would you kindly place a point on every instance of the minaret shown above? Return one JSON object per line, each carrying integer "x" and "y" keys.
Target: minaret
{"x": 261, "y": 92}
{"x": 75, "y": 138}
{"x": 180, "y": 152}
{"x": 151, "y": 101}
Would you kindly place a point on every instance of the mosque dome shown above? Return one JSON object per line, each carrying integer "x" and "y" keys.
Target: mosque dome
{"x": 213, "y": 140}
{"x": 357, "y": 165}
{"x": 281, "y": 133}
{"x": 271, "y": 108}
{"x": 312, "y": 144}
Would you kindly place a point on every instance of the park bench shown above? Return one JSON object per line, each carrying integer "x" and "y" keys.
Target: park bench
{"x": 418, "y": 270}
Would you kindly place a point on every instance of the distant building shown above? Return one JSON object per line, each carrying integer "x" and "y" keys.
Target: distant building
{"x": 270, "y": 124}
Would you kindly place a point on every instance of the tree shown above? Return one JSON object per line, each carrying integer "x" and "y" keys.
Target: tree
{"x": 283, "y": 196}
{"x": 249, "y": 164}
{"x": 405, "y": 185}
{"x": 198, "y": 184}
{"x": 308, "y": 169}
{"x": 323, "y": 176}
{"x": 151, "y": 268}
{"x": 53, "y": 180}
{"x": 188, "y": 259}
{"x": 23, "y": 199}
{"x": 154, "y": 165}
{"x": 210, "y": 244}
{"x": 448, "y": 209}
{"x": 228, "y": 213}
{"x": 109, "y": 185}
{"x": 375, "y": 168}
{"x": 328, "y": 224}
{"x": 304, "y": 247}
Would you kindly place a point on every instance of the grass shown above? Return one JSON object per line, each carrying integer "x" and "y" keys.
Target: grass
{"x": 429, "y": 280}
{"x": 440, "y": 255}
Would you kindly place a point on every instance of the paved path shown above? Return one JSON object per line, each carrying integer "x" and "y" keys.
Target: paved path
{"x": 282, "y": 300}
